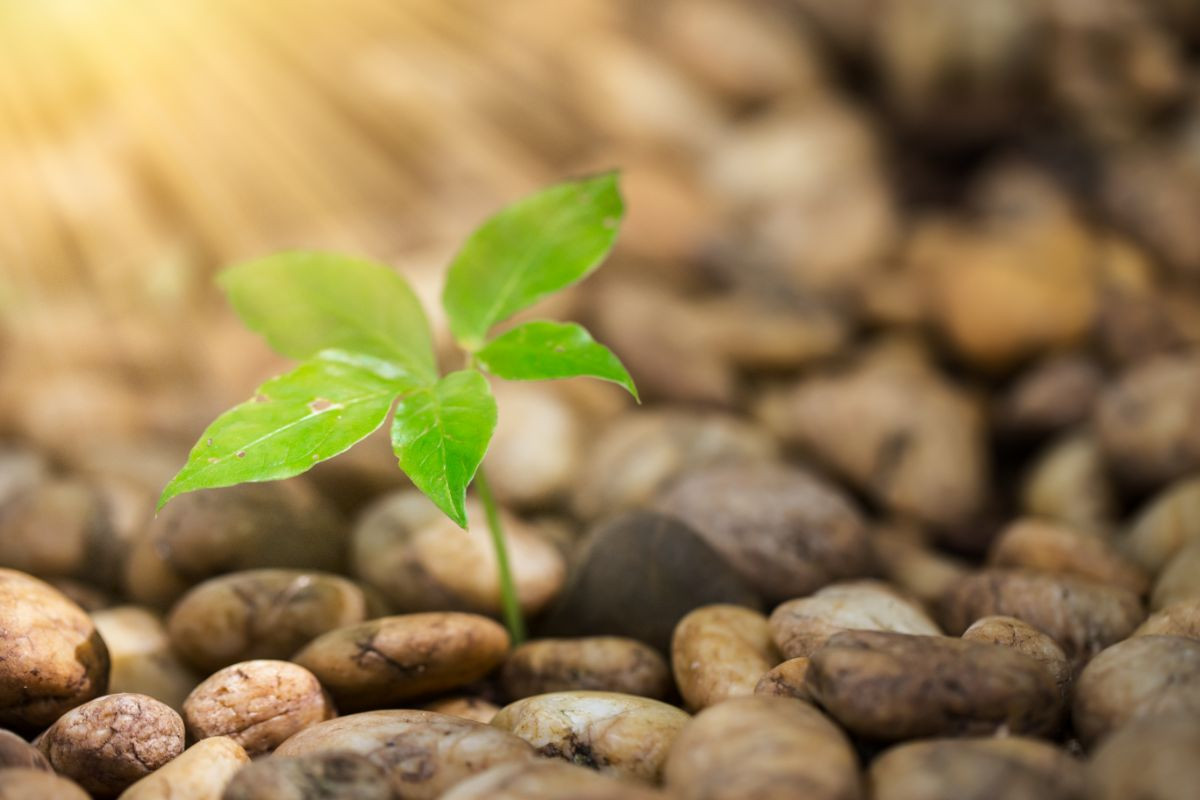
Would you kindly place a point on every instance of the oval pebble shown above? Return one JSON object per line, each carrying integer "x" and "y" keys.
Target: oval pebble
{"x": 589, "y": 663}
{"x": 548, "y": 780}
{"x": 719, "y": 652}
{"x": 200, "y": 773}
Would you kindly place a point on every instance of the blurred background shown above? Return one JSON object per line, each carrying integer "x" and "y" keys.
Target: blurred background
{"x": 1007, "y": 191}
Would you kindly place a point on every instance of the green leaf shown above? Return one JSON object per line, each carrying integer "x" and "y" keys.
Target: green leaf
{"x": 440, "y": 434}
{"x": 539, "y": 351}
{"x": 529, "y": 250}
{"x": 304, "y": 303}
{"x": 312, "y": 413}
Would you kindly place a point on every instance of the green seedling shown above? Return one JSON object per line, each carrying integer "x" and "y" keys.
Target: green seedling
{"x": 366, "y": 348}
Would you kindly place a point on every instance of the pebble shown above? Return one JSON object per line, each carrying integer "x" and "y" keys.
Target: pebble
{"x": 719, "y": 652}
{"x": 750, "y": 747}
{"x": 618, "y": 734}
{"x": 1069, "y": 482}
{"x": 383, "y": 661}
{"x": 473, "y": 708}
{"x": 786, "y": 679}
{"x": 548, "y": 780}
{"x": 1152, "y": 757}
{"x": 1178, "y": 619}
{"x": 143, "y": 661}
{"x": 800, "y": 627}
{"x": 1003, "y": 768}
{"x": 1179, "y": 580}
{"x": 423, "y": 753}
{"x": 16, "y": 752}
{"x": 595, "y": 663}
{"x": 280, "y": 524}
{"x": 1052, "y": 395}
{"x": 51, "y": 656}
{"x": 1136, "y": 678}
{"x": 1146, "y": 420}
{"x": 537, "y": 446}
{"x": 636, "y": 576}
{"x": 1082, "y": 616}
{"x": 639, "y": 453}
{"x": 262, "y": 613}
{"x": 257, "y": 704}
{"x": 912, "y": 566}
{"x": 319, "y": 776}
{"x": 419, "y": 560}
{"x": 109, "y": 743}
{"x": 201, "y": 772}
{"x": 786, "y": 531}
{"x": 26, "y": 783}
{"x": 1022, "y": 637}
{"x": 1166, "y": 525}
{"x": 894, "y": 686}
{"x": 1059, "y": 549}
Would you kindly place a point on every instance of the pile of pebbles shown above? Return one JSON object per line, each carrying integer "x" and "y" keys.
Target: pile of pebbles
{"x": 912, "y": 511}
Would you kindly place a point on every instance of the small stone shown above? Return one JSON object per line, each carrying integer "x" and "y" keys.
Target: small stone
{"x": 1151, "y": 757}
{"x": 786, "y": 531}
{"x": 1053, "y": 395}
{"x": 1059, "y": 549}
{"x": 281, "y": 524}
{"x": 1069, "y": 482}
{"x": 595, "y": 663}
{"x": 637, "y": 576}
{"x": 748, "y": 747}
{"x": 108, "y": 744}
{"x": 894, "y": 686}
{"x": 548, "y": 780}
{"x": 476, "y": 709}
{"x": 1025, "y": 639}
{"x": 1179, "y": 580}
{"x": 381, "y": 662}
{"x": 51, "y": 656}
{"x": 801, "y": 627}
{"x": 16, "y": 752}
{"x": 786, "y": 680}
{"x": 618, "y": 734}
{"x": 1082, "y": 616}
{"x": 331, "y": 775}
{"x": 257, "y": 704}
{"x": 719, "y": 652}
{"x": 143, "y": 661}
{"x": 25, "y": 783}
{"x": 200, "y": 773}
{"x": 537, "y": 447}
{"x": 1003, "y": 768}
{"x": 421, "y": 561}
{"x": 1168, "y": 523}
{"x": 1146, "y": 420}
{"x": 262, "y": 613}
{"x": 1136, "y": 678}
{"x": 423, "y": 753}
{"x": 1179, "y": 619}
{"x": 914, "y": 567}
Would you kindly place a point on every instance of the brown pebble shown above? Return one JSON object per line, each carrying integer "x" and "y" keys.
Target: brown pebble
{"x": 597, "y": 663}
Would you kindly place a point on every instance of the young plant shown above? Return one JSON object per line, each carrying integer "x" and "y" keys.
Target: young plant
{"x": 365, "y": 347}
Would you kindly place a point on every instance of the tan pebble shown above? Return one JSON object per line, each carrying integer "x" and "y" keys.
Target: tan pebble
{"x": 257, "y": 704}
{"x": 1084, "y": 617}
{"x": 894, "y": 686}
{"x": 143, "y": 661}
{"x": 548, "y": 780}
{"x": 1178, "y": 619}
{"x": 1069, "y": 482}
{"x": 913, "y": 566}
{"x": 1025, "y": 639}
{"x": 1168, "y": 523}
{"x": 199, "y": 773}
{"x": 719, "y": 652}
{"x": 333, "y": 774}
{"x": 596, "y": 663}
{"x": 617, "y": 734}
{"x": 800, "y": 627}
{"x": 1179, "y": 579}
{"x": 537, "y": 446}
{"x": 51, "y": 656}
{"x": 16, "y": 752}
{"x": 26, "y": 783}
{"x": 1059, "y": 549}
{"x": 746, "y": 747}
{"x": 386, "y": 660}
{"x": 113, "y": 741}
{"x": 268, "y": 613}
{"x": 421, "y": 561}
{"x": 423, "y": 753}
{"x": 1003, "y": 768}
{"x": 786, "y": 680}
{"x": 473, "y": 708}
{"x": 1150, "y": 757}
{"x": 1136, "y": 678}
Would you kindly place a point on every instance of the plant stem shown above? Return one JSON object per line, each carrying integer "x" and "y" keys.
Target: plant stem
{"x": 508, "y": 589}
